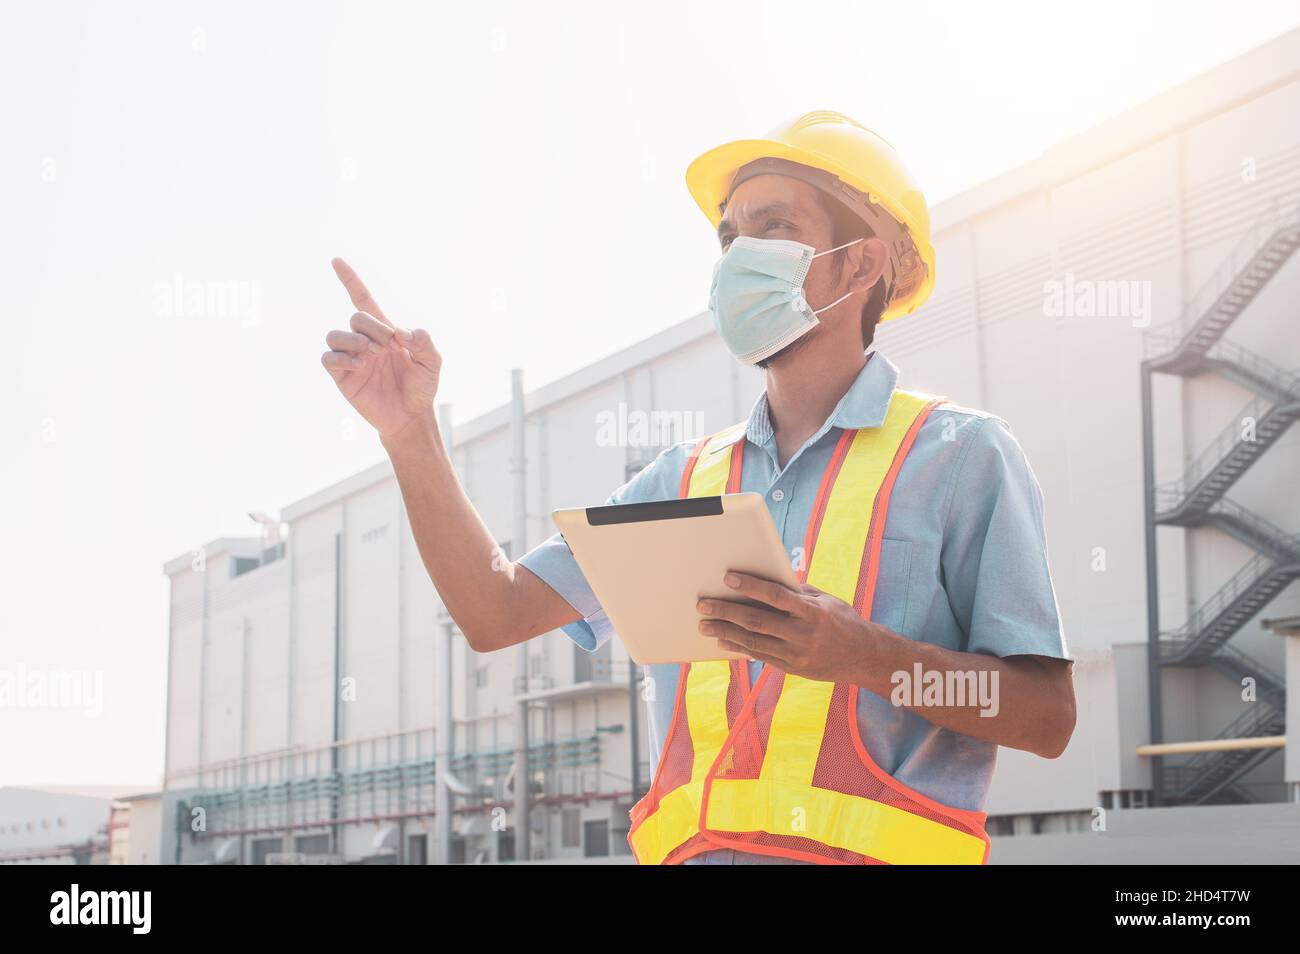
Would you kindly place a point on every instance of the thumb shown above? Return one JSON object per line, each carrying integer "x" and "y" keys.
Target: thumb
{"x": 420, "y": 345}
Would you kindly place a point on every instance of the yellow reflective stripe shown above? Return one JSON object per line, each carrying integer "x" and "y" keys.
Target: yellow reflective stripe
{"x": 795, "y": 739}
{"x": 799, "y": 722}
{"x": 709, "y": 478}
{"x": 677, "y": 817}
{"x": 842, "y": 538}
{"x": 862, "y": 825}
{"x": 673, "y": 822}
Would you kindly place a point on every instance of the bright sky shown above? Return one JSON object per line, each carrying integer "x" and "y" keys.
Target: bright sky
{"x": 508, "y": 175}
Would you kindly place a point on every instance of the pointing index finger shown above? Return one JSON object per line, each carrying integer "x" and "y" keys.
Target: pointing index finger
{"x": 362, "y": 300}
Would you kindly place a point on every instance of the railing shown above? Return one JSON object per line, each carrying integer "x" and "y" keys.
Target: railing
{"x": 564, "y": 753}
{"x": 1229, "y": 352}
{"x": 542, "y": 756}
{"x": 1272, "y": 689}
{"x": 369, "y": 779}
{"x": 1255, "y": 569}
{"x": 378, "y": 775}
{"x": 609, "y": 670}
{"x": 1218, "y": 450}
{"x": 533, "y": 682}
{"x": 1259, "y": 527}
{"x": 295, "y": 760}
{"x": 1169, "y": 337}
{"x": 1255, "y": 721}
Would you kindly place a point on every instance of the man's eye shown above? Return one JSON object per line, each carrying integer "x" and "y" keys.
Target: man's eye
{"x": 776, "y": 224}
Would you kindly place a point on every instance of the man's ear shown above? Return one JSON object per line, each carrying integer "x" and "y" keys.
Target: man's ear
{"x": 870, "y": 261}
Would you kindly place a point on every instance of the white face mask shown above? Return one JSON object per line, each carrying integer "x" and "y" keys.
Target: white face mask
{"x": 757, "y": 296}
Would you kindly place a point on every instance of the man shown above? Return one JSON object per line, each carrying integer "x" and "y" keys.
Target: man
{"x": 916, "y": 527}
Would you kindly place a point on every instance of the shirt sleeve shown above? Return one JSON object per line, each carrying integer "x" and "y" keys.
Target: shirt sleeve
{"x": 552, "y": 561}
{"x": 994, "y": 555}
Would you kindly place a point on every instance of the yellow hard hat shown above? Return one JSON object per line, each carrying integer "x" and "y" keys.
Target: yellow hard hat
{"x": 857, "y": 167}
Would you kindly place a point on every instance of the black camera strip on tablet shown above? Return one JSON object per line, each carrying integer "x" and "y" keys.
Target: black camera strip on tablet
{"x": 654, "y": 510}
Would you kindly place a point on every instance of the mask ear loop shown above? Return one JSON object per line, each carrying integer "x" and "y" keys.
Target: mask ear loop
{"x": 846, "y": 294}
{"x": 838, "y": 247}
{"x": 832, "y": 304}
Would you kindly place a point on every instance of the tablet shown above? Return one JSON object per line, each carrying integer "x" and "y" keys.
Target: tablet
{"x": 649, "y": 563}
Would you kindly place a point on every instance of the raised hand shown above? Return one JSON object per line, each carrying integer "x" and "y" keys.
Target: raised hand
{"x": 389, "y": 374}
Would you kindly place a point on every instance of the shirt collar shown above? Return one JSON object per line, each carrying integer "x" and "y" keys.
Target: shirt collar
{"x": 863, "y": 405}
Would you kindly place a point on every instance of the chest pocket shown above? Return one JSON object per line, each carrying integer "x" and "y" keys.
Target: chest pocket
{"x": 893, "y": 582}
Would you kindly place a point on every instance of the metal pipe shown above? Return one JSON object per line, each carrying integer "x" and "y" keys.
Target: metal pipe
{"x": 634, "y": 724}
{"x": 444, "y": 742}
{"x": 244, "y": 694}
{"x": 1155, "y": 673}
{"x": 518, "y": 546}
{"x": 290, "y": 686}
{"x": 203, "y": 662}
{"x": 338, "y": 663}
{"x": 1213, "y": 745}
{"x": 401, "y": 628}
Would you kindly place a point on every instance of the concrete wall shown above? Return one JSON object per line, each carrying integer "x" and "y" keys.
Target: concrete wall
{"x": 1207, "y": 835}
{"x": 144, "y": 844}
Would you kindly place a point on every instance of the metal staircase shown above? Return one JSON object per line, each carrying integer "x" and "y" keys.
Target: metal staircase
{"x": 1252, "y": 431}
{"x": 1192, "y": 346}
{"x": 1180, "y": 347}
{"x": 1252, "y": 371}
{"x": 1250, "y": 528}
{"x": 1270, "y": 687}
{"x": 1208, "y": 774}
{"x": 1234, "y": 604}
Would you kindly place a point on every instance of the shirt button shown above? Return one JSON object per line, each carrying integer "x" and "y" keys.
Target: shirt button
{"x": 778, "y": 495}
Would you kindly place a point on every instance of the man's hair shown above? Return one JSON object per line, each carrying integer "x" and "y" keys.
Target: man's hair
{"x": 846, "y": 225}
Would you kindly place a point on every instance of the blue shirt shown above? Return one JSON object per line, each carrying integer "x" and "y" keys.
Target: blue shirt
{"x": 963, "y": 565}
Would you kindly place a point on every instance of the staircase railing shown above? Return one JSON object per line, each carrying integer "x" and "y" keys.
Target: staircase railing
{"x": 1256, "y": 721}
{"x": 1270, "y": 685}
{"x": 1253, "y": 572}
{"x": 1170, "y": 337}
{"x": 1261, "y": 530}
{"x": 1284, "y": 382}
{"x": 1223, "y": 444}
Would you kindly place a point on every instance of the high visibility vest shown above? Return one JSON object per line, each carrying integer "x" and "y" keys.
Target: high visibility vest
{"x": 779, "y": 768}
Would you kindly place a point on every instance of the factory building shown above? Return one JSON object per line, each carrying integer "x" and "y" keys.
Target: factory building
{"x": 54, "y": 825}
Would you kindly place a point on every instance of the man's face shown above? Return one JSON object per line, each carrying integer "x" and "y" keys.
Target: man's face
{"x": 778, "y": 207}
